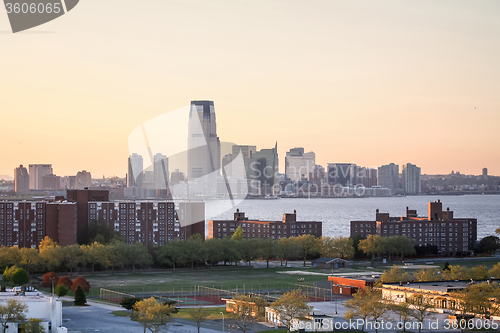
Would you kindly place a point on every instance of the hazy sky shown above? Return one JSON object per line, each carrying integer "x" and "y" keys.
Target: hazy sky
{"x": 368, "y": 82}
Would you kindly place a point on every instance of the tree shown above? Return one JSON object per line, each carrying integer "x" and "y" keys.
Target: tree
{"x": 292, "y": 305}
{"x": 95, "y": 254}
{"x": 366, "y": 304}
{"x": 171, "y": 253}
{"x": 65, "y": 281}
{"x": 405, "y": 246}
{"x": 72, "y": 257}
{"x": 115, "y": 254}
{"x": 99, "y": 229}
{"x": 426, "y": 274}
{"x": 152, "y": 315}
{"x": 61, "y": 290}
{"x": 49, "y": 280}
{"x": 373, "y": 244}
{"x": 9, "y": 256}
{"x": 446, "y": 266}
{"x": 30, "y": 259}
{"x": 457, "y": 273}
{"x": 266, "y": 248}
{"x": 396, "y": 274}
{"x": 138, "y": 254}
{"x": 33, "y": 326}
{"x": 199, "y": 315}
{"x": 489, "y": 244}
{"x": 129, "y": 302}
{"x": 230, "y": 250}
{"x": 308, "y": 244}
{"x": 390, "y": 245}
{"x": 403, "y": 309}
{"x": 244, "y": 312}
{"x": 20, "y": 277}
{"x": 82, "y": 283}
{"x": 247, "y": 249}
{"x": 193, "y": 248}
{"x": 50, "y": 253}
{"x": 420, "y": 309}
{"x": 495, "y": 271}
{"x": 337, "y": 247}
{"x": 288, "y": 248}
{"x": 238, "y": 234}
{"x": 12, "y": 312}
{"x": 479, "y": 272}
{"x": 477, "y": 300}
{"x": 212, "y": 250}
{"x": 80, "y": 298}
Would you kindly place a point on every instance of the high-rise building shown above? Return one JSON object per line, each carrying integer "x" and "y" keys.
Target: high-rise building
{"x": 135, "y": 170}
{"x": 247, "y": 153}
{"x": 83, "y": 179}
{"x": 21, "y": 180}
{"x": 203, "y": 150}
{"x": 411, "y": 179}
{"x": 340, "y": 173}
{"x": 388, "y": 177}
{"x": 37, "y": 172}
{"x": 264, "y": 167}
{"x": 298, "y": 165}
{"x": 51, "y": 182}
{"x": 485, "y": 172}
{"x": 160, "y": 170}
{"x": 203, "y": 143}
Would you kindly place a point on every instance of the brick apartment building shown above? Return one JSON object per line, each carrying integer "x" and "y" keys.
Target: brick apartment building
{"x": 26, "y": 223}
{"x": 453, "y": 236}
{"x": 287, "y": 227}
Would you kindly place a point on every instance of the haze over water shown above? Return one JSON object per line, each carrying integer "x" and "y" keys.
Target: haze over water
{"x": 336, "y": 213}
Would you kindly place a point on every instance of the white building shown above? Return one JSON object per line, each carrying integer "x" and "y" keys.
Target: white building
{"x": 411, "y": 179}
{"x": 298, "y": 165}
{"x": 49, "y": 309}
{"x": 36, "y": 174}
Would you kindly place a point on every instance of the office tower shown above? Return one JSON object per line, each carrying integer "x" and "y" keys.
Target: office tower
{"x": 388, "y": 177}
{"x": 264, "y": 167}
{"x": 485, "y": 172}
{"x": 298, "y": 165}
{"x": 370, "y": 179}
{"x": 160, "y": 170}
{"x": 135, "y": 170}
{"x": 83, "y": 179}
{"x": 247, "y": 152}
{"x": 203, "y": 143}
{"x": 37, "y": 172}
{"x": 340, "y": 173}
{"x": 21, "y": 180}
{"x": 51, "y": 182}
{"x": 411, "y": 179}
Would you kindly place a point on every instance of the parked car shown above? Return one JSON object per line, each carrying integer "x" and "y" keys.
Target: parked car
{"x": 16, "y": 289}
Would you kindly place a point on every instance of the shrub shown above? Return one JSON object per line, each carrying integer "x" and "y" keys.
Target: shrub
{"x": 65, "y": 281}
{"x": 82, "y": 283}
{"x": 20, "y": 277}
{"x": 80, "y": 298}
{"x": 61, "y": 290}
{"x": 129, "y": 302}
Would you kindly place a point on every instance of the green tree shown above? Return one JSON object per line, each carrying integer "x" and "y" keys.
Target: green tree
{"x": 12, "y": 312}
{"x": 129, "y": 302}
{"x": 405, "y": 246}
{"x": 426, "y": 274}
{"x": 193, "y": 248}
{"x": 337, "y": 247}
{"x": 80, "y": 298}
{"x": 446, "y": 266}
{"x": 266, "y": 248}
{"x": 212, "y": 250}
{"x": 9, "y": 256}
{"x": 20, "y": 277}
{"x": 50, "y": 253}
{"x": 477, "y": 299}
{"x": 61, "y": 290}
{"x": 8, "y": 272}
{"x": 292, "y": 305}
{"x": 115, "y": 254}
{"x": 230, "y": 250}
{"x": 238, "y": 233}
{"x": 479, "y": 272}
{"x": 99, "y": 230}
{"x": 95, "y": 253}
{"x": 247, "y": 249}
{"x": 396, "y": 274}
{"x": 171, "y": 253}
{"x": 33, "y": 326}
{"x": 152, "y": 315}
{"x": 199, "y": 315}
{"x": 308, "y": 244}
{"x": 138, "y": 255}
{"x": 489, "y": 244}
{"x": 457, "y": 273}
{"x": 373, "y": 244}
{"x": 30, "y": 259}
{"x": 288, "y": 248}
{"x": 495, "y": 271}
{"x": 72, "y": 257}
{"x": 403, "y": 309}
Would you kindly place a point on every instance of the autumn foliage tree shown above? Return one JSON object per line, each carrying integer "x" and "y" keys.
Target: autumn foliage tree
{"x": 65, "y": 281}
{"x": 49, "y": 280}
{"x": 82, "y": 283}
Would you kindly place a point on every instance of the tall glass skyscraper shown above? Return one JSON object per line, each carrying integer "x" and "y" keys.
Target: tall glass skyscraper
{"x": 203, "y": 147}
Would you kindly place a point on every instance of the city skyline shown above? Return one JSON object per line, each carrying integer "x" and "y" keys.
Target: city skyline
{"x": 354, "y": 82}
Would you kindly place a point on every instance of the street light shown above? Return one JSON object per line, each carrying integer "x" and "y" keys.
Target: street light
{"x": 222, "y": 321}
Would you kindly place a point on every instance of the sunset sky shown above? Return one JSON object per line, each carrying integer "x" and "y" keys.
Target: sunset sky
{"x": 367, "y": 82}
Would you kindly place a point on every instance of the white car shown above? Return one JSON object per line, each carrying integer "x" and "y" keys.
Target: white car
{"x": 18, "y": 289}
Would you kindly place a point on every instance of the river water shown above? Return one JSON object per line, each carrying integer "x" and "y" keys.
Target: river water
{"x": 336, "y": 213}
